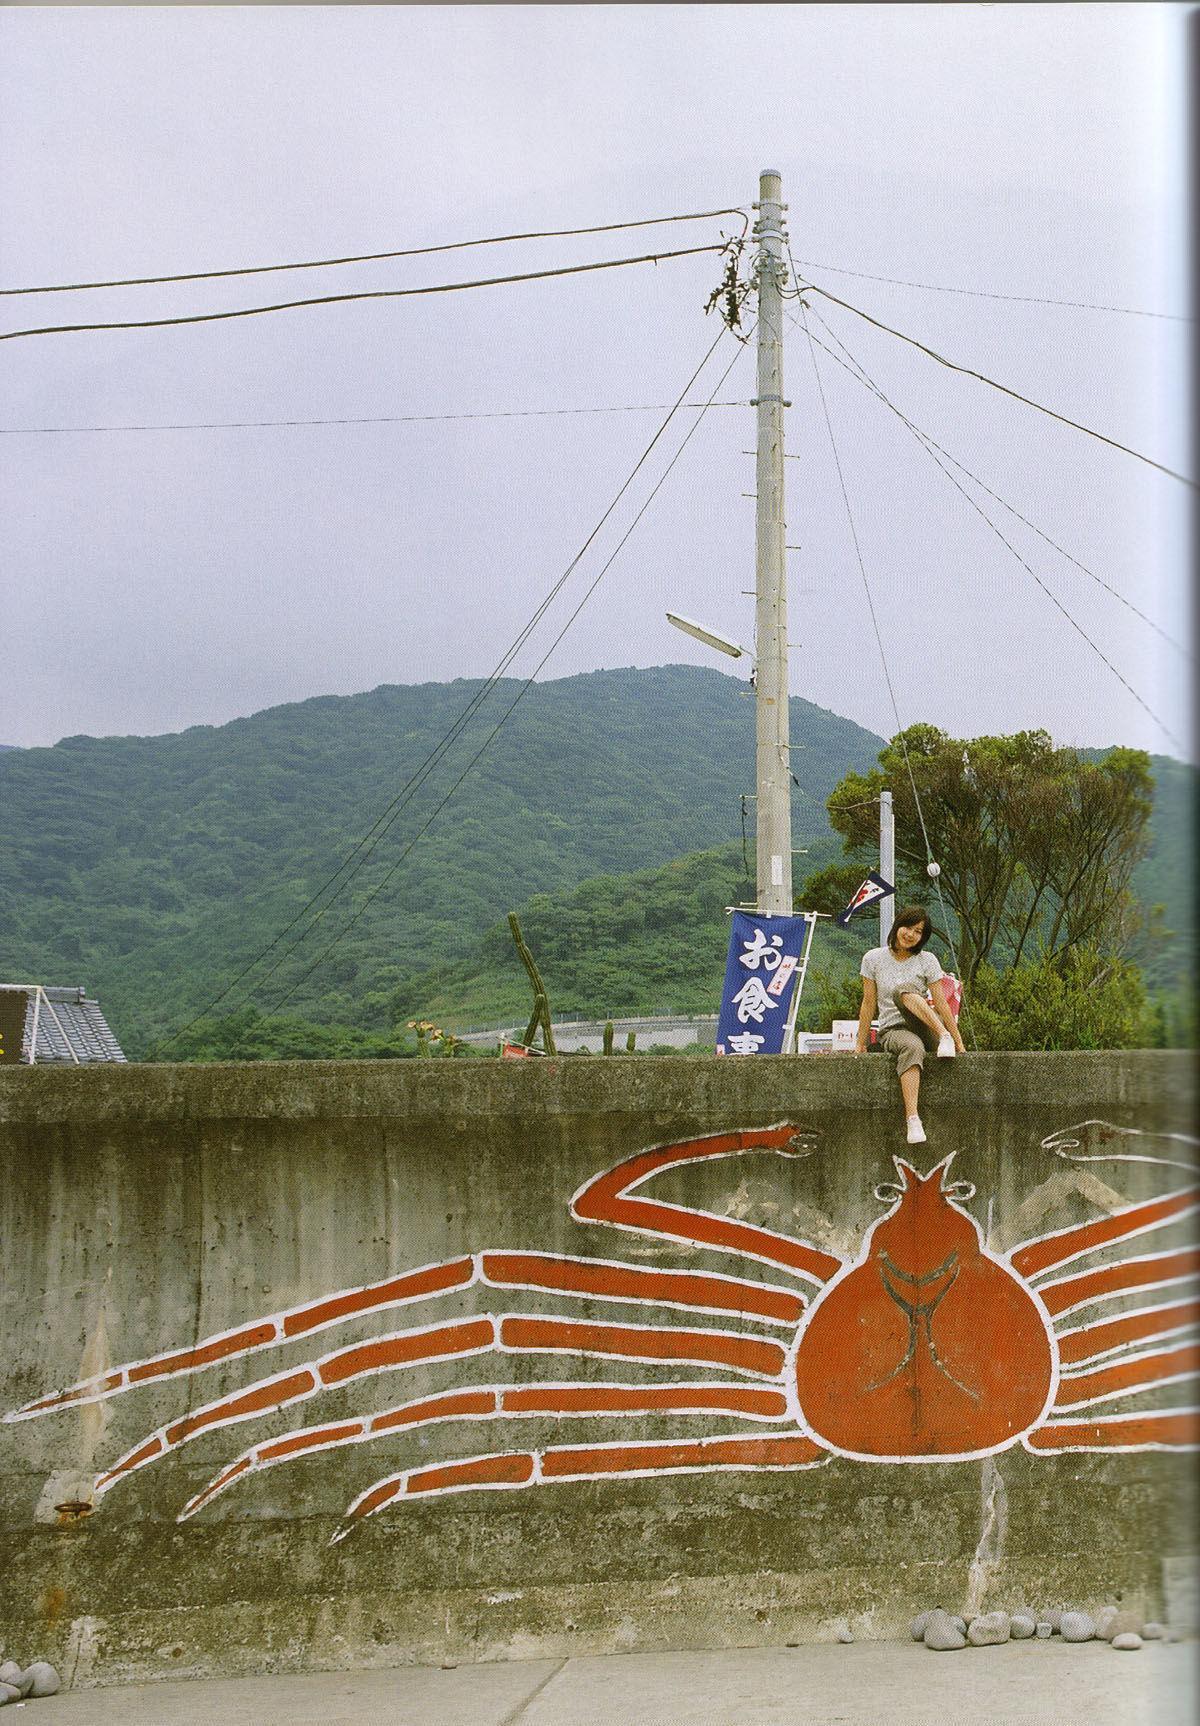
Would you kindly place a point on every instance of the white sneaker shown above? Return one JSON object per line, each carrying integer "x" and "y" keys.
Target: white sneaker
{"x": 916, "y": 1132}
{"x": 946, "y": 1045}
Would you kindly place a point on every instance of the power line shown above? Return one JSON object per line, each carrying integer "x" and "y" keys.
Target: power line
{"x": 969, "y": 372}
{"x": 366, "y": 845}
{"x": 391, "y": 813}
{"x": 984, "y": 294}
{"x": 374, "y": 294}
{"x": 345, "y": 930}
{"x": 363, "y": 420}
{"x": 1028, "y": 568}
{"x": 860, "y": 377}
{"x": 367, "y": 257}
{"x": 862, "y": 569}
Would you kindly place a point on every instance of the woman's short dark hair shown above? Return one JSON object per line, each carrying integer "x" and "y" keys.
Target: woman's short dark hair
{"x": 906, "y": 919}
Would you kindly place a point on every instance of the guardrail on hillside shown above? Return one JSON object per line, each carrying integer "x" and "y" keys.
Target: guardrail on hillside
{"x": 571, "y": 1033}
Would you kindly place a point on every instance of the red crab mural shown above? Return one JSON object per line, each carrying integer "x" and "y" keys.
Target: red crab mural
{"x": 926, "y": 1347}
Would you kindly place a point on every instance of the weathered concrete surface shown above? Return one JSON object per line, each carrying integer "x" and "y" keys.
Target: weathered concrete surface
{"x": 148, "y": 1207}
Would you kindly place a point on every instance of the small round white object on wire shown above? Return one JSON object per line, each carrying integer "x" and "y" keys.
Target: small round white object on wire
{"x": 933, "y": 870}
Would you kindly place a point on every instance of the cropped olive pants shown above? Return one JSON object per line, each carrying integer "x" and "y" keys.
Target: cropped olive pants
{"x": 909, "y": 1042}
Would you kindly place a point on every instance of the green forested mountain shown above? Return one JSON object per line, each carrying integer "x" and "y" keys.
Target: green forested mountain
{"x": 155, "y": 869}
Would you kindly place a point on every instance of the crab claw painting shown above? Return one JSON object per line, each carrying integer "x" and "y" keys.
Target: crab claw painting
{"x": 926, "y": 1345}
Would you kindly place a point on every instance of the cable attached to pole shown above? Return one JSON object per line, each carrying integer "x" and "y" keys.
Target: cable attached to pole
{"x": 275, "y": 1005}
{"x": 860, "y": 376}
{"x": 363, "y": 419}
{"x": 984, "y": 294}
{"x": 862, "y": 569}
{"x": 366, "y": 845}
{"x": 926, "y": 443}
{"x": 370, "y": 257}
{"x": 969, "y": 371}
{"x": 344, "y": 299}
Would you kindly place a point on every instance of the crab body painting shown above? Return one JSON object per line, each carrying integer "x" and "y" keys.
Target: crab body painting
{"x": 928, "y": 1347}
{"x": 895, "y": 1355}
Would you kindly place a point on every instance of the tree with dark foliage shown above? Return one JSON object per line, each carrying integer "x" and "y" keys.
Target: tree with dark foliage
{"x": 1036, "y": 844}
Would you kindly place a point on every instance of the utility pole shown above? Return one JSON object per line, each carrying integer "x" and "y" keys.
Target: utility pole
{"x": 773, "y": 769}
{"x": 887, "y": 863}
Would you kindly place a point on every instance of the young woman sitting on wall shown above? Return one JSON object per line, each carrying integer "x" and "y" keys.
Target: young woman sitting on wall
{"x": 895, "y": 979}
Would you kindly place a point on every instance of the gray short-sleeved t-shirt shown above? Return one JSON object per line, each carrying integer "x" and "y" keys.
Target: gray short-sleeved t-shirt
{"x": 892, "y": 977}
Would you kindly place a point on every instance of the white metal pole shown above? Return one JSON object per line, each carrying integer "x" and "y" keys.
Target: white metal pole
{"x": 887, "y": 863}
{"x": 774, "y": 809}
{"x": 789, "y": 1032}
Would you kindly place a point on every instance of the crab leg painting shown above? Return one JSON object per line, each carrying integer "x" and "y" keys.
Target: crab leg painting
{"x": 927, "y": 1346}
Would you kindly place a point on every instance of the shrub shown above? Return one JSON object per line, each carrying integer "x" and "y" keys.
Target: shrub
{"x": 1075, "y": 1000}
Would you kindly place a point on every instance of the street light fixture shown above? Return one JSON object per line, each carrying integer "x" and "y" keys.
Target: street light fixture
{"x": 709, "y": 637}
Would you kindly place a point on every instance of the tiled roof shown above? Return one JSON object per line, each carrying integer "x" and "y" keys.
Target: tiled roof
{"x": 70, "y": 1027}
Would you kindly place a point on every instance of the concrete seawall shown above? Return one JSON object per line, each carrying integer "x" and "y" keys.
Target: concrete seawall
{"x": 148, "y": 1210}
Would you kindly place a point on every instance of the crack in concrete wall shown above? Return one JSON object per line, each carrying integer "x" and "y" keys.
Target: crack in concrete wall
{"x": 993, "y": 1535}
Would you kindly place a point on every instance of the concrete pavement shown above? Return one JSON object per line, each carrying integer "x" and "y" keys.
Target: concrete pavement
{"x": 824, "y": 1684}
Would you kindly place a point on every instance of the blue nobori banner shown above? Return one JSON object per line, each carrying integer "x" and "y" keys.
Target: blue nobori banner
{"x": 764, "y": 953}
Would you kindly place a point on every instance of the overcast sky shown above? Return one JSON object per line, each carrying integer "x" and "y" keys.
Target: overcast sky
{"x": 164, "y": 578}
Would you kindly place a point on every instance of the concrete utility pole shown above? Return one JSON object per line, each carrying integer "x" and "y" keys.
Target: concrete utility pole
{"x": 771, "y": 652}
{"x": 887, "y": 864}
